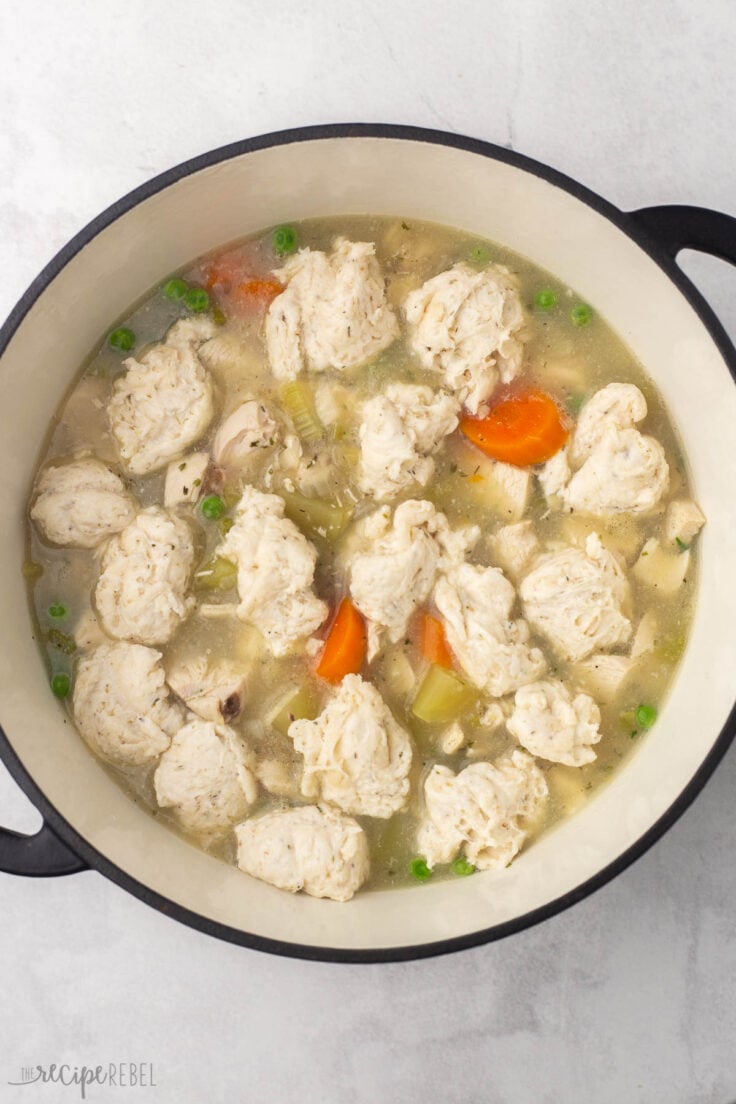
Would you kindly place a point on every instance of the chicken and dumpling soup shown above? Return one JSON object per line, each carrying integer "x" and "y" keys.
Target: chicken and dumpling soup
{"x": 362, "y": 552}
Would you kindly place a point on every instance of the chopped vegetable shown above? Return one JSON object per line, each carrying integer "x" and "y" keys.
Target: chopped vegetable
{"x": 418, "y": 869}
{"x": 218, "y": 574}
{"x": 218, "y": 317}
{"x": 176, "y": 288}
{"x": 545, "y": 299}
{"x": 300, "y": 704}
{"x": 646, "y": 715}
{"x": 32, "y": 570}
{"x": 284, "y": 239}
{"x": 66, "y": 644}
{"x": 481, "y": 254}
{"x": 197, "y": 299}
{"x": 681, "y": 544}
{"x": 523, "y": 427}
{"x": 255, "y": 294}
{"x": 122, "y": 339}
{"x": 61, "y": 685}
{"x": 433, "y": 642}
{"x": 212, "y": 507}
{"x": 299, "y": 405}
{"x": 315, "y": 516}
{"x": 574, "y": 403}
{"x": 57, "y": 611}
{"x": 441, "y": 697}
{"x": 462, "y": 868}
{"x": 345, "y": 646}
{"x": 581, "y": 315}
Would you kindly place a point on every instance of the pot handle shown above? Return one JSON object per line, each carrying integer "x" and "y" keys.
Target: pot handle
{"x": 42, "y": 855}
{"x": 679, "y": 227}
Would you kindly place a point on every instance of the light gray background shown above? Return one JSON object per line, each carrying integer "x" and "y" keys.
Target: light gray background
{"x": 629, "y": 997}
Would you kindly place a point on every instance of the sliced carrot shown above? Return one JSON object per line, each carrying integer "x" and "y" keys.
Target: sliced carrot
{"x": 345, "y": 646}
{"x": 433, "y": 642}
{"x": 524, "y": 426}
{"x": 258, "y": 293}
{"x": 225, "y": 271}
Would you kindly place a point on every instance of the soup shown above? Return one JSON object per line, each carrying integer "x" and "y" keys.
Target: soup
{"x": 362, "y": 552}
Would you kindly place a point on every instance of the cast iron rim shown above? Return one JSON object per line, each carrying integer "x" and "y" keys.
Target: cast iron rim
{"x": 663, "y": 258}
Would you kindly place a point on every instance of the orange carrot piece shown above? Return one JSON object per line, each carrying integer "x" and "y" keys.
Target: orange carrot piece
{"x": 225, "y": 271}
{"x": 524, "y": 426}
{"x": 433, "y": 642}
{"x": 345, "y": 646}
{"x": 258, "y": 293}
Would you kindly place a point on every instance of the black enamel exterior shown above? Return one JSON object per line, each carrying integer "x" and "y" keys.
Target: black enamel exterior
{"x": 661, "y": 232}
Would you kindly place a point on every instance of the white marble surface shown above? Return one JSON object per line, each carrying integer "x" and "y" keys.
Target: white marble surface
{"x": 630, "y": 995}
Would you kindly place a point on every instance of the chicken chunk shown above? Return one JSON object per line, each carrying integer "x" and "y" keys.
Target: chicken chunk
{"x": 550, "y": 723}
{"x": 390, "y": 579}
{"x": 682, "y": 522}
{"x": 211, "y": 689}
{"x": 514, "y": 547}
{"x": 310, "y": 849}
{"x": 400, "y": 430}
{"x": 333, "y": 312}
{"x": 481, "y": 810}
{"x": 576, "y": 599}
{"x": 163, "y": 403}
{"x": 205, "y": 777}
{"x": 660, "y": 569}
{"x": 275, "y": 571}
{"x": 121, "y": 704}
{"x": 80, "y": 503}
{"x": 465, "y": 324}
{"x": 142, "y": 593}
{"x": 603, "y": 674}
{"x": 185, "y": 479}
{"x": 491, "y": 647}
{"x": 356, "y": 756}
{"x": 249, "y": 428}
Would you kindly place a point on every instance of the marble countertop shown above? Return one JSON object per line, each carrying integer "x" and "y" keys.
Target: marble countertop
{"x": 629, "y": 996}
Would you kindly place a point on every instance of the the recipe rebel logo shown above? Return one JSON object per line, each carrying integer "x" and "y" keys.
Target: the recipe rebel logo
{"x": 120, "y": 1075}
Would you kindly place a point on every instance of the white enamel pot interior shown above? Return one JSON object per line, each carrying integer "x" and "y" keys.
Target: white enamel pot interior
{"x": 332, "y": 171}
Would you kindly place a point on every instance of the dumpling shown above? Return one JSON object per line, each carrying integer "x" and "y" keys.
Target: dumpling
{"x": 550, "y": 723}
{"x": 333, "y": 312}
{"x": 121, "y": 704}
{"x": 315, "y": 850}
{"x": 466, "y": 324}
{"x": 480, "y": 810}
{"x": 80, "y": 503}
{"x": 163, "y": 403}
{"x": 206, "y": 777}
{"x": 143, "y": 590}
{"x": 356, "y": 755}
{"x": 275, "y": 571}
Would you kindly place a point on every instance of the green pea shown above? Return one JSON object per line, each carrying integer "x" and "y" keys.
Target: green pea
{"x": 581, "y": 315}
{"x": 646, "y": 715}
{"x": 481, "y": 254}
{"x": 57, "y": 611}
{"x": 545, "y": 299}
{"x": 212, "y": 507}
{"x": 284, "y": 239}
{"x": 418, "y": 869}
{"x": 462, "y": 868}
{"x": 197, "y": 300}
{"x": 176, "y": 288}
{"x": 122, "y": 339}
{"x": 61, "y": 685}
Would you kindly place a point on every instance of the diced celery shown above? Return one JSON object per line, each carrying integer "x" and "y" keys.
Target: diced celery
{"x": 300, "y": 704}
{"x": 65, "y": 643}
{"x": 217, "y": 574}
{"x": 299, "y": 405}
{"x": 442, "y": 697}
{"x": 315, "y": 516}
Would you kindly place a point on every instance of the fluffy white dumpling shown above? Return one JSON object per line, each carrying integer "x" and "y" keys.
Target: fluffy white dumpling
{"x": 143, "y": 590}
{"x": 576, "y": 599}
{"x": 480, "y": 811}
{"x": 550, "y": 723}
{"x": 315, "y": 850}
{"x": 333, "y": 312}
{"x": 356, "y": 755}
{"x": 205, "y": 777}
{"x": 400, "y": 429}
{"x": 80, "y": 503}
{"x": 163, "y": 402}
{"x": 121, "y": 704}
{"x": 465, "y": 324}
{"x": 275, "y": 571}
